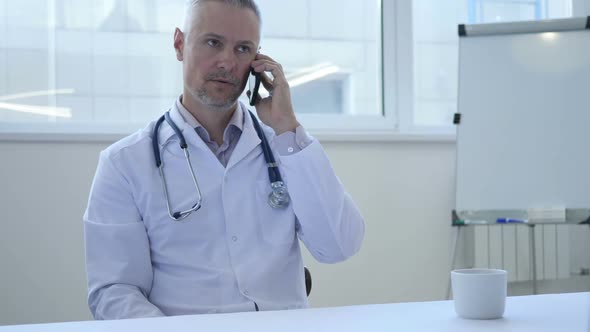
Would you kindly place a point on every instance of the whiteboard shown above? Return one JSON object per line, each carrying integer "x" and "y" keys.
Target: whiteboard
{"x": 524, "y": 136}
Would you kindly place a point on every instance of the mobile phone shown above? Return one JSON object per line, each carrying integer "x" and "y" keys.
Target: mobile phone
{"x": 253, "y": 86}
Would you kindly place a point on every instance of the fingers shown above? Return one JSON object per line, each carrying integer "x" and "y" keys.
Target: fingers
{"x": 264, "y": 63}
{"x": 264, "y": 57}
{"x": 269, "y": 63}
{"x": 266, "y": 82}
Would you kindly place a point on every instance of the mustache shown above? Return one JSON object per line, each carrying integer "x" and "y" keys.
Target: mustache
{"x": 223, "y": 75}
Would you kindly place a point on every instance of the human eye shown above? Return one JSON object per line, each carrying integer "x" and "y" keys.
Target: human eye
{"x": 244, "y": 49}
{"x": 213, "y": 42}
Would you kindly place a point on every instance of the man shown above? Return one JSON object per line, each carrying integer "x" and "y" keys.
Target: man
{"x": 235, "y": 253}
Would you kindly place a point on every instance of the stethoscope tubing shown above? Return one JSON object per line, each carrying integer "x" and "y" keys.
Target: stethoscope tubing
{"x": 279, "y": 198}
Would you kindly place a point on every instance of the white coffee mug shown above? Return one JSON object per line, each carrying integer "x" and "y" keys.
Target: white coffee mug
{"x": 479, "y": 293}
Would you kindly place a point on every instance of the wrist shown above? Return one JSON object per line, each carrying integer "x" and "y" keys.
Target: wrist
{"x": 290, "y": 125}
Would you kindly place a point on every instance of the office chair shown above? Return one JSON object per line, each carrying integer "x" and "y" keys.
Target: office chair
{"x": 307, "y": 280}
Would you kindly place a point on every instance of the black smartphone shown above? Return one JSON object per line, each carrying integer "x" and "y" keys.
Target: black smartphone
{"x": 253, "y": 86}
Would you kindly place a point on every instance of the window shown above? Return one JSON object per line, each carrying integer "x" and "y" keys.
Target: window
{"x": 109, "y": 66}
{"x": 376, "y": 67}
{"x": 490, "y": 11}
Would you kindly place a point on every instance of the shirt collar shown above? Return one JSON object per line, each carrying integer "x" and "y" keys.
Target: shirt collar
{"x": 182, "y": 121}
{"x": 237, "y": 120}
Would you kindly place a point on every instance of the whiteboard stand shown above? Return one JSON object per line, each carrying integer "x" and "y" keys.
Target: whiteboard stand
{"x": 573, "y": 217}
{"x": 522, "y": 100}
{"x": 456, "y": 235}
{"x": 533, "y": 256}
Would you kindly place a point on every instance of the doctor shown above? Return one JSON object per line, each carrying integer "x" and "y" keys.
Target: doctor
{"x": 156, "y": 245}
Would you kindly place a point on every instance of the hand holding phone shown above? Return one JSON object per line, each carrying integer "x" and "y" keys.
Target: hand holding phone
{"x": 276, "y": 110}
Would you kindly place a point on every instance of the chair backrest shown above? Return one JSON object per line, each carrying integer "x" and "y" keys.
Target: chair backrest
{"x": 307, "y": 280}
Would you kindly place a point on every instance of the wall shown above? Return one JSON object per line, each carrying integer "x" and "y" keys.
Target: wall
{"x": 405, "y": 196}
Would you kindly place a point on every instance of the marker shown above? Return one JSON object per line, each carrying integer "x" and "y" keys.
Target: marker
{"x": 470, "y": 222}
{"x": 511, "y": 221}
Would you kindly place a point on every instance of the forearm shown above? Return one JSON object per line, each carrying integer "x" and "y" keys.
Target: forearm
{"x": 330, "y": 224}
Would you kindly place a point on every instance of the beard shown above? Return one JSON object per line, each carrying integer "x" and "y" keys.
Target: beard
{"x": 219, "y": 103}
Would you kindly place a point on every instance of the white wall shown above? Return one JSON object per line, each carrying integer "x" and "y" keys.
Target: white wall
{"x": 44, "y": 188}
{"x": 581, "y": 7}
{"x": 406, "y": 197}
{"x": 406, "y": 194}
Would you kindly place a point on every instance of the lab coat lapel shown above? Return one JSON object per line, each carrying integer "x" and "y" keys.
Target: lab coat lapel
{"x": 249, "y": 140}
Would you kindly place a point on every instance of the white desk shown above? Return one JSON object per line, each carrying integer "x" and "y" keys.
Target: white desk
{"x": 560, "y": 312}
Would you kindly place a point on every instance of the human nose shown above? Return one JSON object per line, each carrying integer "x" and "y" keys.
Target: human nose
{"x": 227, "y": 59}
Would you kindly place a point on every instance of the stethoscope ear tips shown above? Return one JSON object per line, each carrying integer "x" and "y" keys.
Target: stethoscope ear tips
{"x": 279, "y": 197}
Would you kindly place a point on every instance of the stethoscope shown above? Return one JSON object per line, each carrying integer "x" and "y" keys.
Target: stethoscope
{"x": 278, "y": 198}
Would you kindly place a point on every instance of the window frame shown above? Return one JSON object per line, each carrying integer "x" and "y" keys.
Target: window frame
{"x": 479, "y": 3}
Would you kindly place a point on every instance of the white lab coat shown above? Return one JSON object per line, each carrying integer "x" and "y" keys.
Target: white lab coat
{"x": 233, "y": 252}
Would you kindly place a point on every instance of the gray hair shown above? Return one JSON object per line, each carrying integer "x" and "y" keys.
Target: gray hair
{"x": 247, "y": 4}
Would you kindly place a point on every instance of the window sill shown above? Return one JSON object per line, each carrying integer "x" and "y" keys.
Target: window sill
{"x": 384, "y": 137}
{"x": 321, "y": 135}
{"x": 60, "y": 137}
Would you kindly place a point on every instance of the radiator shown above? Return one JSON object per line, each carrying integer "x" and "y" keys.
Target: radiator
{"x": 508, "y": 247}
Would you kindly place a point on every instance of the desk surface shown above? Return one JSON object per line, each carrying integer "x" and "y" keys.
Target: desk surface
{"x": 558, "y": 312}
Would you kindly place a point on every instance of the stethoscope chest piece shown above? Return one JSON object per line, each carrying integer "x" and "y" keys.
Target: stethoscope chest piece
{"x": 279, "y": 196}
